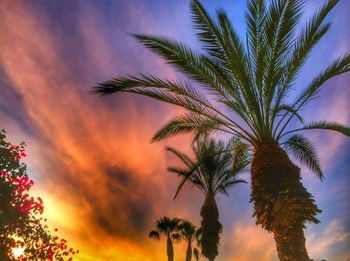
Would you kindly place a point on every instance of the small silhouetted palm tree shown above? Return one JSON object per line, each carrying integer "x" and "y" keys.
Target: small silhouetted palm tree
{"x": 212, "y": 172}
{"x": 250, "y": 82}
{"x": 170, "y": 228}
{"x": 189, "y": 232}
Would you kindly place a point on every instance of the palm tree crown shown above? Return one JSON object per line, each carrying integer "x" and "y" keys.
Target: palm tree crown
{"x": 166, "y": 226}
{"x": 213, "y": 171}
{"x": 250, "y": 81}
{"x": 187, "y": 230}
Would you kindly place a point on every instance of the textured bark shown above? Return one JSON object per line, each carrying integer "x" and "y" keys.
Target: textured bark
{"x": 189, "y": 251}
{"x": 211, "y": 228}
{"x": 290, "y": 244}
{"x": 170, "y": 249}
{"x": 281, "y": 202}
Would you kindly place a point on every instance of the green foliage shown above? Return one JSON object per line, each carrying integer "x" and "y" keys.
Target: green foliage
{"x": 216, "y": 165}
{"x": 304, "y": 151}
{"x": 252, "y": 80}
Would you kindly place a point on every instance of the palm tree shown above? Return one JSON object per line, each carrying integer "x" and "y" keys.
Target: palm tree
{"x": 249, "y": 84}
{"x": 170, "y": 228}
{"x": 189, "y": 232}
{"x": 212, "y": 172}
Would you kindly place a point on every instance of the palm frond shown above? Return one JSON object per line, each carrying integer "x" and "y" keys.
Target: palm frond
{"x": 218, "y": 42}
{"x": 154, "y": 234}
{"x": 196, "y": 66}
{"x": 228, "y": 184}
{"x": 338, "y": 67}
{"x": 186, "y": 176}
{"x": 307, "y": 39}
{"x": 187, "y": 123}
{"x": 282, "y": 18}
{"x": 233, "y": 48}
{"x": 176, "y": 93}
{"x": 305, "y": 42}
{"x": 237, "y": 64}
{"x": 240, "y": 155}
{"x": 255, "y": 20}
{"x": 176, "y": 237}
{"x": 149, "y": 85}
{"x": 324, "y": 125}
{"x": 304, "y": 151}
{"x": 182, "y": 156}
{"x": 209, "y": 33}
{"x": 289, "y": 109}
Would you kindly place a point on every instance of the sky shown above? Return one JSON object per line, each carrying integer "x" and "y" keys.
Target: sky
{"x": 103, "y": 182}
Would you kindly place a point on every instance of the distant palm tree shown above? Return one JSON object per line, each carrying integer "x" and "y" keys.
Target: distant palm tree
{"x": 190, "y": 233}
{"x": 249, "y": 84}
{"x": 170, "y": 228}
{"x": 212, "y": 172}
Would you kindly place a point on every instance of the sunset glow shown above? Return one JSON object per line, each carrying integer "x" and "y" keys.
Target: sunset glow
{"x": 103, "y": 182}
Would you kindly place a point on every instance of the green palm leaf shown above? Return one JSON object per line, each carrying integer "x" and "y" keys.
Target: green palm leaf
{"x": 208, "y": 31}
{"x": 251, "y": 79}
{"x": 304, "y": 151}
{"x": 324, "y": 125}
{"x": 212, "y": 171}
{"x": 339, "y": 66}
{"x": 198, "y": 67}
{"x": 189, "y": 122}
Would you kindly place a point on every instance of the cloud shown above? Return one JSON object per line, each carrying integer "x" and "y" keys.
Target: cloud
{"x": 332, "y": 243}
{"x": 96, "y": 166}
{"x": 249, "y": 242}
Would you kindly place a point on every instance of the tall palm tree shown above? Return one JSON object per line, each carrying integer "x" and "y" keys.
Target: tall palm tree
{"x": 189, "y": 232}
{"x": 170, "y": 228}
{"x": 249, "y": 84}
{"x": 212, "y": 172}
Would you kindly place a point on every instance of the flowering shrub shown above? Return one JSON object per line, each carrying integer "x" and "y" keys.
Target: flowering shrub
{"x": 20, "y": 221}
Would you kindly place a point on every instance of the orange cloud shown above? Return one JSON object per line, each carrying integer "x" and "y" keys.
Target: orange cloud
{"x": 104, "y": 182}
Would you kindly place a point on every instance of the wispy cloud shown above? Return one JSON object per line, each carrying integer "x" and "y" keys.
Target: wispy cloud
{"x": 332, "y": 243}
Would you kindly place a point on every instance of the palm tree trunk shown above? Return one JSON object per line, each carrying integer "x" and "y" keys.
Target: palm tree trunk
{"x": 170, "y": 249}
{"x": 281, "y": 202}
{"x": 287, "y": 250}
{"x": 211, "y": 228}
{"x": 189, "y": 251}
